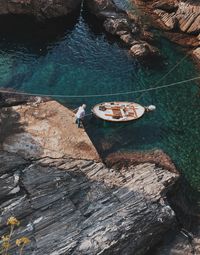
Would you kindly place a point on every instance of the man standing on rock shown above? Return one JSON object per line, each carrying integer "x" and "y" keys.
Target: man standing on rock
{"x": 80, "y": 115}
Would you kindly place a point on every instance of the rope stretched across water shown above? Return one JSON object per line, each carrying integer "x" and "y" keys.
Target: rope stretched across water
{"x": 100, "y": 95}
{"x": 165, "y": 75}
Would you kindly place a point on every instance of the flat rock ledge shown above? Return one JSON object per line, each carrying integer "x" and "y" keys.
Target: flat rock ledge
{"x": 69, "y": 206}
{"x": 40, "y": 9}
{"x": 44, "y": 129}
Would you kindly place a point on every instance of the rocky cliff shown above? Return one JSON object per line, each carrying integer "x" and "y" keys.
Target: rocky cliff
{"x": 40, "y": 9}
{"x": 69, "y": 206}
{"x": 69, "y": 203}
{"x": 180, "y": 19}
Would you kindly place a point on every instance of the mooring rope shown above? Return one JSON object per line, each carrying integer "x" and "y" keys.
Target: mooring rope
{"x": 165, "y": 75}
{"x": 100, "y": 95}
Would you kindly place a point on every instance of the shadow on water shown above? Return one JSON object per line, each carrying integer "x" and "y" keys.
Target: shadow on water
{"x": 112, "y": 137}
{"x": 27, "y": 31}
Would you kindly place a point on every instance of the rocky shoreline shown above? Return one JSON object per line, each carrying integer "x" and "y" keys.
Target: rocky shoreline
{"x": 123, "y": 25}
{"x": 69, "y": 203}
{"x": 179, "y": 19}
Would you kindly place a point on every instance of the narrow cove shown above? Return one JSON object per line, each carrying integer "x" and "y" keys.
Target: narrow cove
{"x": 81, "y": 59}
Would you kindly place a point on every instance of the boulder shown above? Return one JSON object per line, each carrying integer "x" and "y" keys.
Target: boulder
{"x": 119, "y": 25}
{"x": 143, "y": 50}
{"x": 40, "y": 9}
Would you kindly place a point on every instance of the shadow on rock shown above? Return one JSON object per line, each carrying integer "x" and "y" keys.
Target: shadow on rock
{"x": 9, "y": 123}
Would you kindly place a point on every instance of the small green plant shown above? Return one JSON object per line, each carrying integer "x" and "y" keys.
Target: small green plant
{"x": 6, "y": 240}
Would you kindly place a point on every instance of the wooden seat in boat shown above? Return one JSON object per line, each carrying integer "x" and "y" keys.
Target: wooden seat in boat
{"x": 117, "y": 112}
{"x": 113, "y": 116}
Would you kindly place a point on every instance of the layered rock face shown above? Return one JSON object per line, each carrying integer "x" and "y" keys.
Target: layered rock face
{"x": 180, "y": 17}
{"x": 69, "y": 206}
{"x": 69, "y": 202}
{"x": 124, "y": 25}
{"x": 40, "y": 9}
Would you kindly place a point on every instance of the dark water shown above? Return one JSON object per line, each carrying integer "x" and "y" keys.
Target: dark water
{"x": 80, "y": 59}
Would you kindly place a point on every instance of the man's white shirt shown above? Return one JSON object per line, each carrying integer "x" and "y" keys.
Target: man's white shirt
{"x": 81, "y": 113}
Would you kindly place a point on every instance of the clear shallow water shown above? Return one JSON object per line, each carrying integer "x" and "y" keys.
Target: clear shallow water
{"x": 81, "y": 59}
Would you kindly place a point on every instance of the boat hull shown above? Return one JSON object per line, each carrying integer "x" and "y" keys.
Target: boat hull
{"x": 118, "y": 111}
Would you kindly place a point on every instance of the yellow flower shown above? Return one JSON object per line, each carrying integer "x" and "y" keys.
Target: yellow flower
{"x": 5, "y": 245}
{"x": 18, "y": 242}
{"x": 13, "y": 221}
{"x": 5, "y": 238}
{"x": 22, "y": 241}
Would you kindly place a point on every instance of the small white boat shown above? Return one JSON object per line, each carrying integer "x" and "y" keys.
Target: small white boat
{"x": 118, "y": 111}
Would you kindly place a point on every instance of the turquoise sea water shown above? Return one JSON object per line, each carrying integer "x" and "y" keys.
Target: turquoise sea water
{"x": 81, "y": 59}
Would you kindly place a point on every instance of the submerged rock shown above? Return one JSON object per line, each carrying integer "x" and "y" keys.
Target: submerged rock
{"x": 40, "y": 9}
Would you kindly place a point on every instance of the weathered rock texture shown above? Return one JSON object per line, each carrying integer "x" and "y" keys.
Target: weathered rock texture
{"x": 69, "y": 206}
{"x": 176, "y": 15}
{"x": 181, "y": 18}
{"x": 68, "y": 202}
{"x": 41, "y": 9}
{"x": 124, "y": 25}
{"x": 44, "y": 129}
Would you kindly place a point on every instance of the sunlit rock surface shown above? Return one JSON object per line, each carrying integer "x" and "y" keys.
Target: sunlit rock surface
{"x": 44, "y": 129}
{"x": 179, "y": 19}
{"x": 68, "y": 201}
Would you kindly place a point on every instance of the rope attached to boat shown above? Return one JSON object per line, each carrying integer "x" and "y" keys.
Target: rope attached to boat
{"x": 100, "y": 95}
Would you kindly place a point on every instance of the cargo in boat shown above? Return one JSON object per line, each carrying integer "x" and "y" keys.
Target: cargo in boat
{"x": 118, "y": 111}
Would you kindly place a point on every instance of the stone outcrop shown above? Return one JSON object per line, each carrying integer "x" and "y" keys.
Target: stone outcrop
{"x": 69, "y": 206}
{"x": 180, "y": 15}
{"x": 40, "y": 9}
{"x": 125, "y": 26}
{"x": 68, "y": 201}
{"x": 180, "y": 19}
{"x": 44, "y": 129}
